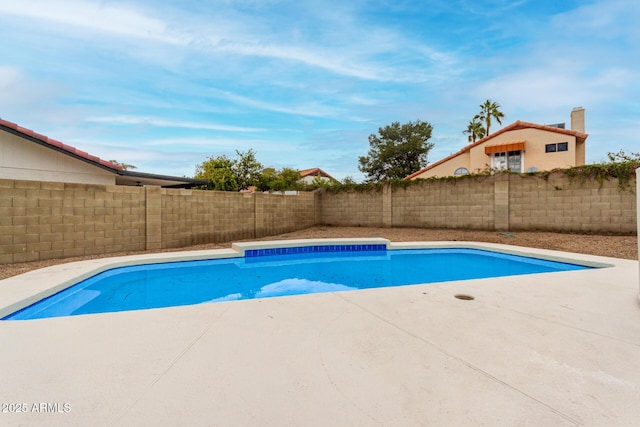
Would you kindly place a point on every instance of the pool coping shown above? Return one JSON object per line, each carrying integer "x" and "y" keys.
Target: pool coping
{"x": 23, "y": 290}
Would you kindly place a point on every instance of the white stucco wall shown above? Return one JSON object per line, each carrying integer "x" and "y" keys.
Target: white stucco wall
{"x": 26, "y": 160}
{"x": 534, "y": 153}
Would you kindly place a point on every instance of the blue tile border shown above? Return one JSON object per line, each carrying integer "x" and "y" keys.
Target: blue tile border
{"x": 250, "y": 253}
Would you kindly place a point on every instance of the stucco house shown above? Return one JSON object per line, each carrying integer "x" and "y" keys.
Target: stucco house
{"x": 307, "y": 176}
{"x": 27, "y": 155}
{"x": 519, "y": 147}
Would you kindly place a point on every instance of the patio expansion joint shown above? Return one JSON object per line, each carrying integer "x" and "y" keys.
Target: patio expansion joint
{"x": 565, "y": 325}
{"x": 460, "y": 360}
{"x": 175, "y": 360}
{"x": 330, "y": 378}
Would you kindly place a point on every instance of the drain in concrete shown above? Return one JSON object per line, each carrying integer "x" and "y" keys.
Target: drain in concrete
{"x": 464, "y": 297}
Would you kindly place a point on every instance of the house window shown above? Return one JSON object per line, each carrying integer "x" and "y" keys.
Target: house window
{"x": 514, "y": 161}
{"x": 461, "y": 171}
{"x": 560, "y": 146}
{"x": 499, "y": 161}
{"x": 511, "y": 160}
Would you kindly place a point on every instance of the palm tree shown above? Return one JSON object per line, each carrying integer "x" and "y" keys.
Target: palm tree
{"x": 488, "y": 110}
{"x": 474, "y": 130}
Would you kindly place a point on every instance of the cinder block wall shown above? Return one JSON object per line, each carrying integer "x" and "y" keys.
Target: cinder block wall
{"x": 351, "y": 208}
{"x": 191, "y": 217}
{"x": 44, "y": 220}
{"x": 500, "y": 202}
{"x": 441, "y": 204}
{"x": 277, "y": 213}
{"x": 561, "y": 204}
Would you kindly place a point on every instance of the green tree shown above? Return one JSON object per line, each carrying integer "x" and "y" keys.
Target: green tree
{"x": 266, "y": 177}
{"x": 286, "y": 179}
{"x": 474, "y": 130}
{"x": 247, "y": 169}
{"x": 219, "y": 171}
{"x": 348, "y": 180}
{"x": 397, "y": 151}
{"x": 282, "y": 180}
{"x": 488, "y": 110}
{"x": 291, "y": 178}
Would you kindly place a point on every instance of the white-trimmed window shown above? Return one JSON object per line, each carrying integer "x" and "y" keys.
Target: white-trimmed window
{"x": 507, "y": 160}
{"x": 499, "y": 161}
{"x": 461, "y": 171}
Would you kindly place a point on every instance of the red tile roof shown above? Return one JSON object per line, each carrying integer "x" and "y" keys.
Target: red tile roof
{"x": 315, "y": 172}
{"x": 581, "y": 137}
{"x": 59, "y": 146}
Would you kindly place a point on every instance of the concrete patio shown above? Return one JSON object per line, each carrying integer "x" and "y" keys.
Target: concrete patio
{"x": 547, "y": 349}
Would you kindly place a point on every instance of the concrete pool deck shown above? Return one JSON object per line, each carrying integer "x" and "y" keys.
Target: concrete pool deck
{"x": 545, "y": 349}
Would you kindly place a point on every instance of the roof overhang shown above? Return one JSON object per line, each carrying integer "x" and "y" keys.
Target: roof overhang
{"x": 126, "y": 177}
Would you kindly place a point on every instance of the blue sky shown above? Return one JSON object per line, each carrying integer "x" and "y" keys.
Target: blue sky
{"x": 165, "y": 84}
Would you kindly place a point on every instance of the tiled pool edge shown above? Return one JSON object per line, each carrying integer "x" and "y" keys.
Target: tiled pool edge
{"x": 278, "y": 247}
{"x": 20, "y": 291}
{"x": 254, "y": 253}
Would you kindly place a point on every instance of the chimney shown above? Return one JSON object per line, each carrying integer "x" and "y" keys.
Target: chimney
{"x": 577, "y": 119}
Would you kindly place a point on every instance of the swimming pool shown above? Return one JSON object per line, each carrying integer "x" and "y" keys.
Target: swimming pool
{"x": 270, "y": 272}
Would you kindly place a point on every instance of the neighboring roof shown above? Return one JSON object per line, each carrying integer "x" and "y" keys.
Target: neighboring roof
{"x": 315, "y": 172}
{"x": 518, "y": 125}
{"x": 125, "y": 177}
{"x": 57, "y": 145}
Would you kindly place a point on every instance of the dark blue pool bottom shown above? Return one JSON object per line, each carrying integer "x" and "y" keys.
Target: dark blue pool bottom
{"x": 194, "y": 282}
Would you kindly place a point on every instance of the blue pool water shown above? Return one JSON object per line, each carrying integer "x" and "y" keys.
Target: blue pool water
{"x": 268, "y": 275}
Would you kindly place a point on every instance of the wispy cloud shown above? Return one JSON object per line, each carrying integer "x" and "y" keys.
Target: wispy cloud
{"x": 22, "y": 94}
{"x": 315, "y": 109}
{"x": 310, "y": 56}
{"x": 602, "y": 19}
{"x": 8, "y": 76}
{"x": 158, "y": 122}
{"x": 581, "y": 57}
{"x": 490, "y": 8}
{"x": 363, "y": 55}
{"x": 310, "y": 79}
{"x": 558, "y": 87}
{"x": 94, "y": 16}
{"x": 230, "y": 144}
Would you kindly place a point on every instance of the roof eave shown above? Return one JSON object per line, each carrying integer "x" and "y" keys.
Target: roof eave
{"x": 57, "y": 146}
{"x": 183, "y": 179}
